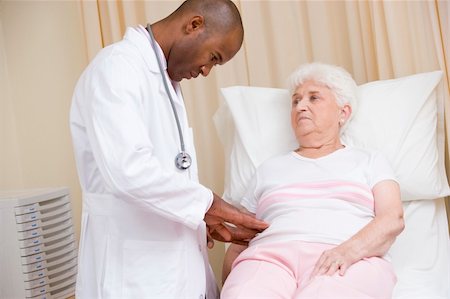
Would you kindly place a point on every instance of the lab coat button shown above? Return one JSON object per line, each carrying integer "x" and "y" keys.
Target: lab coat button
{"x": 200, "y": 249}
{"x": 201, "y": 296}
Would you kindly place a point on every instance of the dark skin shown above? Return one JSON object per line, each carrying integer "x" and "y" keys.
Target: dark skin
{"x": 190, "y": 50}
{"x": 220, "y": 214}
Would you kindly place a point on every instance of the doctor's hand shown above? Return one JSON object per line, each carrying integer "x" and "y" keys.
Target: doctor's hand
{"x": 244, "y": 226}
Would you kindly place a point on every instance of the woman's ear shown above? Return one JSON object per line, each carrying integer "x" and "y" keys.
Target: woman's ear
{"x": 196, "y": 23}
{"x": 346, "y": 111}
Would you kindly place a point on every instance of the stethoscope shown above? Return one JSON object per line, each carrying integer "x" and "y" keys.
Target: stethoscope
{"x": 182, "y": 160}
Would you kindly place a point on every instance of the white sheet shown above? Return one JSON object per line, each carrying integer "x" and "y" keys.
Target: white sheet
{"x": 421, "y": 254}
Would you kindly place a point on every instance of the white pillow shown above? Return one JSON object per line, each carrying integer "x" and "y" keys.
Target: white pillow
{"x": 253, "y": 124}
{"x": 402, "y": 117}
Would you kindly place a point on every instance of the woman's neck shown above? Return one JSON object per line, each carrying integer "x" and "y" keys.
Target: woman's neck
{"x": 319, "y": 150}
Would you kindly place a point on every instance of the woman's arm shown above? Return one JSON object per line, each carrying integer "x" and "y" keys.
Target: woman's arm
{"x": 232, "y": 253}
{"x": 374, "y": 239}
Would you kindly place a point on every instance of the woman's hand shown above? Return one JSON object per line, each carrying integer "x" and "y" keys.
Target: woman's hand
{"x": 333, "y": 260}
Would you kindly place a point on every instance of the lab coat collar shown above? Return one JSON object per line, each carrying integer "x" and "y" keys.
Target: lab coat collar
{"x": 141, "y": 40}
{"x": 139, "y": 37}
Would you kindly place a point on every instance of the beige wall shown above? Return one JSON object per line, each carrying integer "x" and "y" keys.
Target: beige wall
{"x": 42, "y": 53}
{"x": 10, "y": 168}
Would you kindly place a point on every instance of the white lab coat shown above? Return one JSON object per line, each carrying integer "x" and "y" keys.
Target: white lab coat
{"x": 142, "y": 231}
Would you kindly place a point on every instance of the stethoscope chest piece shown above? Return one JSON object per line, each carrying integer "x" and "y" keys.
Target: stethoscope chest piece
{"x": 183, "y": 161}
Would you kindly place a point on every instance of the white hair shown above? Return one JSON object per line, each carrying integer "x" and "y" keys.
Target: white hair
{"x": 336, "y": 78}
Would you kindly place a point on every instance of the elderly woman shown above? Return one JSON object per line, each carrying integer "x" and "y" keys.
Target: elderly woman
{"x": 334, "y": 210}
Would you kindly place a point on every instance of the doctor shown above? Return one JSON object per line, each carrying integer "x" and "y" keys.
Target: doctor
{"x": 145, "y": 218}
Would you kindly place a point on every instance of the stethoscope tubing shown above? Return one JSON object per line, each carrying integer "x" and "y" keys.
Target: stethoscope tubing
{"x": 166, "y": 86}
{"x": 182, "y": 160}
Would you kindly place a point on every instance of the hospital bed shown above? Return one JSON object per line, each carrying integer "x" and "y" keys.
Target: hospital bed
{"x": 404, "y": 119}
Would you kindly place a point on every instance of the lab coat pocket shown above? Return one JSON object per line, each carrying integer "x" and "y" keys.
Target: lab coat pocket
{"x": 152, "y": 269}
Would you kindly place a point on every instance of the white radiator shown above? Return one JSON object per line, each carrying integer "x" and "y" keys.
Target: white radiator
{"x": 38, "y": 250}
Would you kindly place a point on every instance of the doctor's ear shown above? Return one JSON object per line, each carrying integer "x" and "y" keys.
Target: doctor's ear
{"x": 195, "y": 23}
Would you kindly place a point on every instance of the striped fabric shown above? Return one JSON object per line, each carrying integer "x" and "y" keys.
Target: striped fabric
{"x": 351, "y": 192}
{"x": 324, "y": 212}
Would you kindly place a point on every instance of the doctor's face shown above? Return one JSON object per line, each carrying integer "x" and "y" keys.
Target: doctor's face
{"x": 198, "y": 53}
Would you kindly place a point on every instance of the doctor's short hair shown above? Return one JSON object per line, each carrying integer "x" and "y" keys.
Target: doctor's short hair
{"x": 336, "y": 78}
{"x": 220, "y": 15}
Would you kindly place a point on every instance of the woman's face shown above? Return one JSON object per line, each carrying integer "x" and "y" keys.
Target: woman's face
{"x": 315, "y": 112}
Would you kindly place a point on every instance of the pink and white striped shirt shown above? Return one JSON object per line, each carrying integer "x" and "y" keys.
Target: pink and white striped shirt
{"x": 325, "y": 200}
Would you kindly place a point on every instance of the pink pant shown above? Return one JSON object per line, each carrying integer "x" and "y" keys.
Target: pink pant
{"x": 283, "y": 271}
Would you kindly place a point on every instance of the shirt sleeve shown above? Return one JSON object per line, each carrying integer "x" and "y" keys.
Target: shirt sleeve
{"x": 124, "y": 153}
{"x": 249, "y": 200}
{"x": 380, "y": 169}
